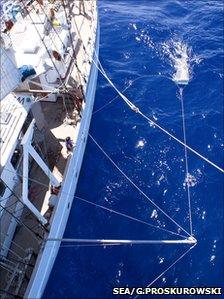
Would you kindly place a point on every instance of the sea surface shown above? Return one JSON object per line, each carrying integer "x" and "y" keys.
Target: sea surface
{"x": 146, "y": 48}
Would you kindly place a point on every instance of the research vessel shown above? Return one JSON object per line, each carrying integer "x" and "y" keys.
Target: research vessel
{"x": 49, "y": 53}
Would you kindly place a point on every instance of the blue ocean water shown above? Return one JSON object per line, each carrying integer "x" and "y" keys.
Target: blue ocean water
{"x": 144, "y": 45}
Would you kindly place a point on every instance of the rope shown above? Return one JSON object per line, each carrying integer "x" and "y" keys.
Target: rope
{"x": 129, "y": 217}
{"x": 140, "y": 191}
{"x": 105, "y": 105}
{"x": 186, "y": 160}
{"x": 169, "y": 267}
{"x": 137, "y": 110}
{"x": 117, "y": 96}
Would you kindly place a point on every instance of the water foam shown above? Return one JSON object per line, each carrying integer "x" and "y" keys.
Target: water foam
{"x": 180, "y": 55}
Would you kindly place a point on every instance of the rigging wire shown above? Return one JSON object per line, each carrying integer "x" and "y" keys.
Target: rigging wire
{"x": 140, "y": 191}
{"x": 88, "y": 245}
{"x": 186, "y": 161}
{"x": 12, "y": 251}
{"x": 129, "y": 217}
{"x": 169, "y": 267}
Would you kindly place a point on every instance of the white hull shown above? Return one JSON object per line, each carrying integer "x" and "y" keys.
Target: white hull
{"x": 48, "y": 255}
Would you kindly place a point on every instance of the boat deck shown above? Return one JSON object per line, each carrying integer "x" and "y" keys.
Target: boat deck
{"x": 54, "y": 152}
{"x": 61, "y": 119}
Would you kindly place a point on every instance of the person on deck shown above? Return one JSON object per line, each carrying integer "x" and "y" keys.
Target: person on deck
{"x": 55, "y": 189}
{"x": 69, "y": 144}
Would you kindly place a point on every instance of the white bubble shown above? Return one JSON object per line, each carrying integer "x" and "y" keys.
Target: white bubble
{"x": 154, "y": 214}
{"x": 212, "y": 258}
{"x": 134, "y": 26}
{"x": 203, "y": 215}
{"x": 161, "y": 260}
{"x": 141, "y": 143}
{"x": 164, "y": 192}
